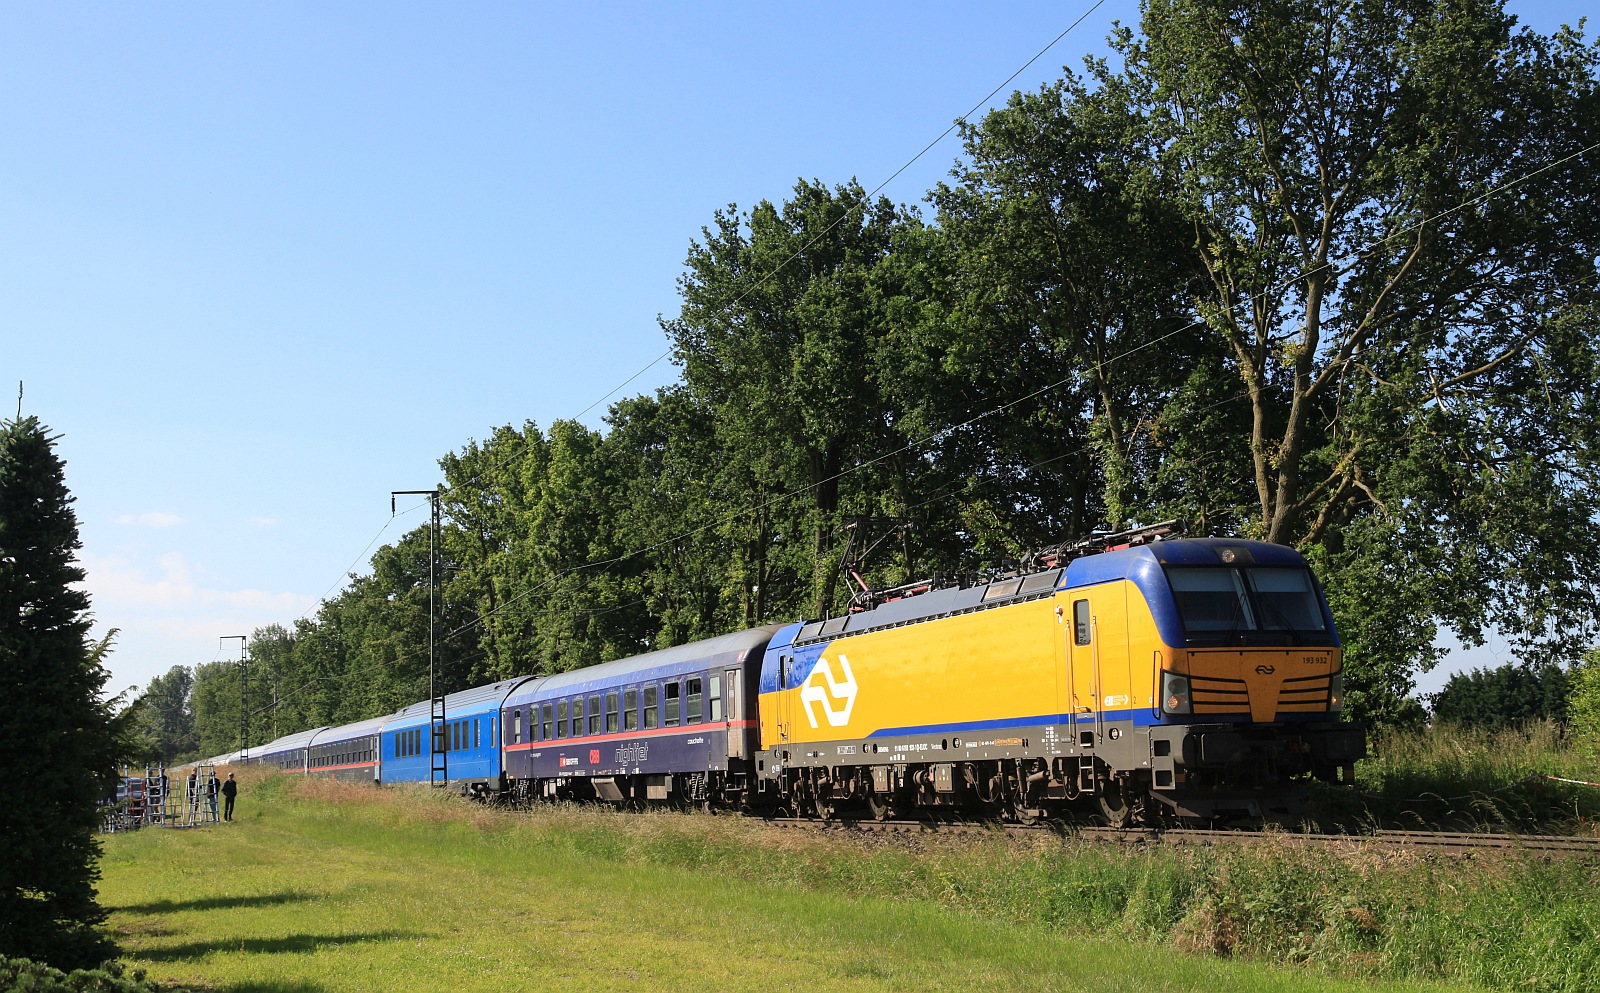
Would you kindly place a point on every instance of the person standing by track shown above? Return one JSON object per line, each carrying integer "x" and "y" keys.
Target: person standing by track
{"x": 230, "y": 789}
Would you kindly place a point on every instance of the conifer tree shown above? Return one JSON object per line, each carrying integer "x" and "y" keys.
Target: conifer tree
{"x": 58, "y": 739}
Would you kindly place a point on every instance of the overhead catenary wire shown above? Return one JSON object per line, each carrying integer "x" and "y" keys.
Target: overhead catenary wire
{"x": 751, "y": 285}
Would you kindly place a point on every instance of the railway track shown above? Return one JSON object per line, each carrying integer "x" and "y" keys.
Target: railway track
{"x": 1442, "y": 842}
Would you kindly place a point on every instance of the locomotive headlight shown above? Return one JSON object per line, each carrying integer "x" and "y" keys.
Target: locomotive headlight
{"x": 1175, "y": 694}
{"x": 1336, "y": 692}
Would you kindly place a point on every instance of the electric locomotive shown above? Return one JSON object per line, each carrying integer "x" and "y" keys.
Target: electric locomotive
{"x": 1139, "y": 678}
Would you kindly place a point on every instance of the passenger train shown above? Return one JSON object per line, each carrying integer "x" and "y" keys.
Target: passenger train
{"x": 1141, "y": 678}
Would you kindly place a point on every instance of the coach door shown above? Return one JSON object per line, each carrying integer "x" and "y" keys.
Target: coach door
{"x": 733, "y": 679}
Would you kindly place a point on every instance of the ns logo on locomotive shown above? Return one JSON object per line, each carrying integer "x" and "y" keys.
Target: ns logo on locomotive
{"x": 1134, "y": 677}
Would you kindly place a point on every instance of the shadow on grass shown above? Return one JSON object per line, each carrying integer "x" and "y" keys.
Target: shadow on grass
{"x": 286, "y": 987}
{"x": 214, "y": 903}
{"x": 265, "y": 946}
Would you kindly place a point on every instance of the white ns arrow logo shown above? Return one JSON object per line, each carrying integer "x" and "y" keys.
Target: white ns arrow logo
{"x": 811, "y": 692}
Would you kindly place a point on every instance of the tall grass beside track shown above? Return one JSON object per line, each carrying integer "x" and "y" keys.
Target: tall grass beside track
{"x": 1464, "y": 778}
{"x": 324, "y": 886}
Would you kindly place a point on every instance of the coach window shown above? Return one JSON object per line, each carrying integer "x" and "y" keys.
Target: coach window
{"x": 716, "y": 698}
{"x": 546, "y": 727}
{"x": 594, "y": 715}
{"x": 650, "y": 693}
{"x": 673, "y": 704}
{"x": 611, "y": 711}
{"x": 477, "y": 726}
{"x": 561, "y": 719}
{"x": 630, "y": 709}
{"x": 516, "y": 727}
{"x": 1080, "y": 622}
{"x": 577, "y": 718}
{"x": 691, "y": 702}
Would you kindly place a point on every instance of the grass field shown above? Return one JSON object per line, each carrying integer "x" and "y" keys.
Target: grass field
{"x": 325, "y": 887}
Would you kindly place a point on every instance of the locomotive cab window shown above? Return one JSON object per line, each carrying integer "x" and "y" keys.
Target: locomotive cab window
{"x": 1225, "y": 603}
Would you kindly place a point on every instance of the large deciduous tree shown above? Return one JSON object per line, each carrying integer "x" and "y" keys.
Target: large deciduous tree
{"x": 59, "y": 743}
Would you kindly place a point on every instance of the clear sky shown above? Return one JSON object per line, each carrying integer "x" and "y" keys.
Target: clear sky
{"x": 261, "y": 264}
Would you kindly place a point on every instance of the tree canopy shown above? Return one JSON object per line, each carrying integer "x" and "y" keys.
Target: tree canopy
{"x": 1320, "y": 274}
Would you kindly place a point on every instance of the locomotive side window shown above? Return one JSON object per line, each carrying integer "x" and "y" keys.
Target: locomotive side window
{"x": 611, "y": 711}
{"x": 1080, "y": 622}
{"x": 716, "y": 698}
{"x": 594, "y": 715}
{"x": 672, "y": 705}
{"x": 691, "y": 693}
{"x": 630, "y": 709}
{"x": 650, "y": 707}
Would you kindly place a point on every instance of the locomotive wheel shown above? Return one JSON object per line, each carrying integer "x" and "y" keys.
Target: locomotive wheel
{"x": 1114, "y": 807}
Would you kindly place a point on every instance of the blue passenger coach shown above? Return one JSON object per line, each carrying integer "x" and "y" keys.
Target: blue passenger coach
{"x": 673, "y": 724}
{"x": 472, "y": 719}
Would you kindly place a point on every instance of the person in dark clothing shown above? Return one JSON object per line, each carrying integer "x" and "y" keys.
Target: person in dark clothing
{"x": 230, "y": 789}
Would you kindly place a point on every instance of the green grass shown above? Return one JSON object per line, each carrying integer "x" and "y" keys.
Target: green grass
{"x": 324, "y": 887}
{"x": 1458, "y": 777}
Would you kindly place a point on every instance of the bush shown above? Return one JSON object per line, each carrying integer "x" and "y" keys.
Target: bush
{"x": 1583, "y": 700}
{"x": 36, "y": 977}
{"x": 1508, "y": 696}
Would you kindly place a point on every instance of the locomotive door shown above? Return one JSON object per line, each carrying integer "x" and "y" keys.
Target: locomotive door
{"x": 1082, "y": 670}
{"x": 784, "y": 703}
{"x": 734, "y": 681}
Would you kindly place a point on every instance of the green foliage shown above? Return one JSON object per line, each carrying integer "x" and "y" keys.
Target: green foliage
{"x": 1319, "y": 274}
{"x": 1509, "y": 695}
{"x": 20, "y": 975}
{"x": 164, "y": 718}
{"x": 60, "y": 738}
{"x": 1583, "y": 700}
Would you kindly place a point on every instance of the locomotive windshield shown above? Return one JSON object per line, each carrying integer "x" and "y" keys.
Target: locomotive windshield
{"x": 1228, "y": 605}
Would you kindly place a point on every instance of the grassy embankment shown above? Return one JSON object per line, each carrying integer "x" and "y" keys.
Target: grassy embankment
{"x": 1466, "y": 779}
{"x": 326, "y": 887}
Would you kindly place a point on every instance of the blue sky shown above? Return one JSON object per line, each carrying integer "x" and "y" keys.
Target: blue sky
{"x": 262, "y": 264}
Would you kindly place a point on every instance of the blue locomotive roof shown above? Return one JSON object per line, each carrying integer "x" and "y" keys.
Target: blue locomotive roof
{"x": 1141, "y": 564}
{"x": 741, "y": 643}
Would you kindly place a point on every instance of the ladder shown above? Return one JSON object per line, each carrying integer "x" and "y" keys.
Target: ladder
{"x": 439, "y": 771}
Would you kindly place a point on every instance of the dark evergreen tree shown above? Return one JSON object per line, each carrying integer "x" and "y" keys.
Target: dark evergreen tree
{"x": 58, "y": 740}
